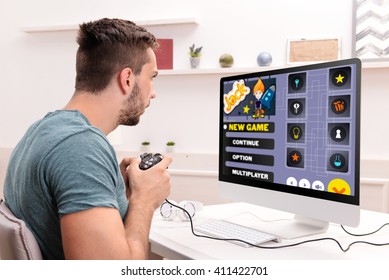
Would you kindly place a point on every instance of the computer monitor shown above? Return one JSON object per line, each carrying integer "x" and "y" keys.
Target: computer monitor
{"x": 290, "y": 140}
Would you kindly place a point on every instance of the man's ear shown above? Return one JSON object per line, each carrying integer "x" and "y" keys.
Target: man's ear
{"x": 126, "y": 80}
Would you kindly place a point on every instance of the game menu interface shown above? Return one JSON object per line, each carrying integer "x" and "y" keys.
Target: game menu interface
{"x": 295, "y": 127}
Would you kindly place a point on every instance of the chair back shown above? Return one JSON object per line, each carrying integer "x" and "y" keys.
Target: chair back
{"x": 16, "y": 240}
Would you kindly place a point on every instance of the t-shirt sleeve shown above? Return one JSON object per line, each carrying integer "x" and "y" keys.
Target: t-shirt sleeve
{"x": 83, "y": 173}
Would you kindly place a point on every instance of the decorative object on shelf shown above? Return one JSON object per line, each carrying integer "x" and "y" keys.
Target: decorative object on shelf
{"x": 264, "y": 59}
{"x": 145, "y": 146}
{"x": 164, "y": 54}
{"x": 312, "y": 50}
{"x": 371, "y": 30}
{"x": 226, "y": 60}
{"x": 170, "y": 146}
{"x": 195, "y": 54}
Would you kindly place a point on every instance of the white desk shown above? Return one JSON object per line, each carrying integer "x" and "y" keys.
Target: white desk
{"x": 174, "y": 239}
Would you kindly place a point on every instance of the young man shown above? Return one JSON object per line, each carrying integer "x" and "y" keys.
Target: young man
{"x": 63, "y": 178}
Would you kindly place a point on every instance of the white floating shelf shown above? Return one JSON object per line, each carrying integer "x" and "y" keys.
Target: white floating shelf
{"x": 233, "y": 71}
{"x": 144, "y": 23}
{"x": 172, "y": 21}
{"x": 49, "y": 28}
{"x": 375, "y": 64}
{"x": 216, "y": 71}
{"x": 207, "y": 71}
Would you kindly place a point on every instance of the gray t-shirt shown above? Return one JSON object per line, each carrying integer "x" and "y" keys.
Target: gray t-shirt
{"x": 62, "y": 165}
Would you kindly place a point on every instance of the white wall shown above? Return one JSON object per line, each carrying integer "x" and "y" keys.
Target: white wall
{"x": 37, "y": 70}
{"x": 374, "y": 114}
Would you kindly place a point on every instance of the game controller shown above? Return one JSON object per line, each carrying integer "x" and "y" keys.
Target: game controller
{"x": 148, "y": 160}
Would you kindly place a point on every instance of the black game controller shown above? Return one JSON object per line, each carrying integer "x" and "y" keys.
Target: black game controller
{"x": 148, "y": 160}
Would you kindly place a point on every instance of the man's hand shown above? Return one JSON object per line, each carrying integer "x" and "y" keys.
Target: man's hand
{"x": 123, "y": 169}
{"x": 151, "y": 186}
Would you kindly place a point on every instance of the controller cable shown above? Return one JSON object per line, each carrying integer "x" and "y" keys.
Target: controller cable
{"x": 344, "y": 249}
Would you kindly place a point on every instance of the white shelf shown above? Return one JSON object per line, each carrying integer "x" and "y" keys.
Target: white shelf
{"x": 375, "y": 64}
{"x": 206, "y": 71}
{"x": 217, "y": 71}
{"x": 232, "y": 71}
{"x": 49, "y": 28}
{"x": 74, "y": 27}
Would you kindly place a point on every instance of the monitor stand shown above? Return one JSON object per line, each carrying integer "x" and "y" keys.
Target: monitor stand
{"x": 294, "y": 228}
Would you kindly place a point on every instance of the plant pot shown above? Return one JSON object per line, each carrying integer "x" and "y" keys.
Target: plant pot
{"x": 169, "y": 149}
{"x": 145, "y": 148}
{"x": 194, "y": 62}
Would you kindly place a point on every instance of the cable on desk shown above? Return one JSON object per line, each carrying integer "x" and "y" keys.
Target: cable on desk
{"x": 289, "y": 245}
{"x": 364, "y": 234}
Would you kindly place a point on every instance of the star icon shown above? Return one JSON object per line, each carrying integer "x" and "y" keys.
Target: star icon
{"x": 339, "y": 79}
{"x": 295, "y": 157}
{"x": 246, "y": 109}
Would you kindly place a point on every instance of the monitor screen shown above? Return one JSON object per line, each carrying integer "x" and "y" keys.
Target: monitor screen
{"x": 294, "y": 132}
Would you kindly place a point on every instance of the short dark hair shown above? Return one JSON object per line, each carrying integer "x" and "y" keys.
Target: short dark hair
{"x": 107, "y": 46}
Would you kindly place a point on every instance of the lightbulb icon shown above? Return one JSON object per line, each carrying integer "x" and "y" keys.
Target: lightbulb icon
{"x": 296, "y": 132}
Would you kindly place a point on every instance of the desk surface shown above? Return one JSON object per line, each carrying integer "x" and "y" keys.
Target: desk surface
{"x": 174, "y": 239}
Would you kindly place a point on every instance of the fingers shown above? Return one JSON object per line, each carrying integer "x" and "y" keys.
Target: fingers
{"x": 124, "y": 166}
{"x": 166, "y": 161}
{"x": 127, "y": 161}
{"x": 152, "y": 185}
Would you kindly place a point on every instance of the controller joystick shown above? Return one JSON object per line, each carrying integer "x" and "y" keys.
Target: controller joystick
{"x": 148, "y": 160}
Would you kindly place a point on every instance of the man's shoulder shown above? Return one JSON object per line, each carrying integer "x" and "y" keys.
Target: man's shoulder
{"x": 65, "y": 120}
{"x": 64, "y": 125}
{"x": 62, "y": 132}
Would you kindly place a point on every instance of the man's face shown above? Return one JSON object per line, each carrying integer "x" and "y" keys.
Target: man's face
{"x": 135, "y": 105}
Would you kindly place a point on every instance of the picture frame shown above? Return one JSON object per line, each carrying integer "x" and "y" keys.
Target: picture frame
{"x": 371, "y": 30}
{"x": 312, "y": 50}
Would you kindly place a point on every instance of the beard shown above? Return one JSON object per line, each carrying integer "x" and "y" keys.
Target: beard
{"x": 132, "y": 109}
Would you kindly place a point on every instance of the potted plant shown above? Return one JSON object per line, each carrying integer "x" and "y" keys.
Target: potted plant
{"x": 195, "y": 54}
{"x": 170, "y": 146}
{"x": 145, "y": 146}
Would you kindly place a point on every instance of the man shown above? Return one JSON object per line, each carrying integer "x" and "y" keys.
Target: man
{"x": 63, "y": 179}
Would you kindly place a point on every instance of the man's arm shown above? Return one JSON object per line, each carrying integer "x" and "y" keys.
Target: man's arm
{"x": 99, "y": 233}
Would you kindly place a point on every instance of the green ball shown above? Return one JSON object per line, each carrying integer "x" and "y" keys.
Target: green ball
{"x": 226, "y": 60}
